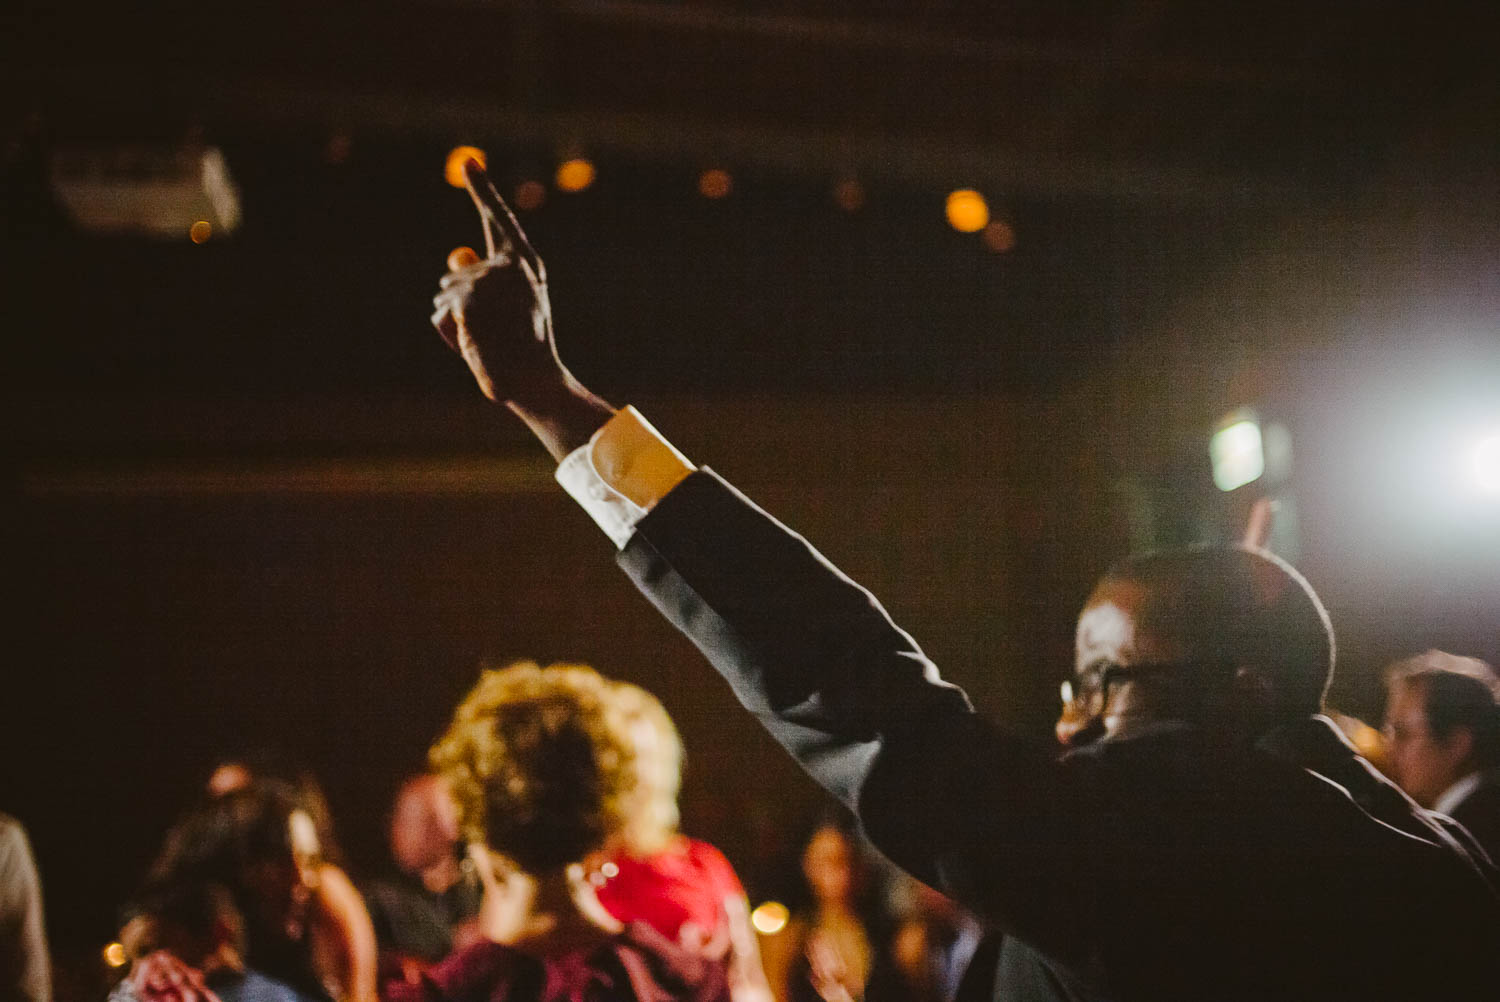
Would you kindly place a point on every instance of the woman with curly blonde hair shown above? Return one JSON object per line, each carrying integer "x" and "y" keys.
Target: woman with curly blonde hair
{"x": 543, "y": 766}
{"x": 683, "y": 887}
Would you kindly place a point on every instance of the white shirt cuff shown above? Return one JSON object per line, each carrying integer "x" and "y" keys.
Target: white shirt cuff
{"x": 626, "y": 467}
{"x": 612, "y": 511}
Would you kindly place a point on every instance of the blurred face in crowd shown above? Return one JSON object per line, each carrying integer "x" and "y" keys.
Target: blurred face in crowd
{"x": 828, "y": 865}
{"x": 424, "y": 825}
{"x": 283, "y": 886}
{"x": 229, "y": 777}
{"x": 1422, "y": 764}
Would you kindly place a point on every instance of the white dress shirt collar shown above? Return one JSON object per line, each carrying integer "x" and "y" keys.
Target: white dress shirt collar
{"x": 1455, "y": 794}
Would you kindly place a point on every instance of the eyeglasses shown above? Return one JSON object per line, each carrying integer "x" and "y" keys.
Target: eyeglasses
{"x": 1400, "y": 733}
{"x": 1089, "y": 689}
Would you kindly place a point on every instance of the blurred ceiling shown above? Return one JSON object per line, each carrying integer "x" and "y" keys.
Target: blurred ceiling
{"x": 1152, "y": 99}
{"x": 1141, "y": 151}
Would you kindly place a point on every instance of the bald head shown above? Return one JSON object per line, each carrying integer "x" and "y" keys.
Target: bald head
{"x": 424, "y": 824}
{"x": 1233, "y": 627}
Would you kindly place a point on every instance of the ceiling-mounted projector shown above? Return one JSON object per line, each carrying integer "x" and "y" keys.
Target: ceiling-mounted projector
{"x": 161, "y": 192}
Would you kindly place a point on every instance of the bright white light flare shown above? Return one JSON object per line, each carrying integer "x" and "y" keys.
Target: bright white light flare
{"x": 1237, "y": 455}
{"x": 1486, "y": 464}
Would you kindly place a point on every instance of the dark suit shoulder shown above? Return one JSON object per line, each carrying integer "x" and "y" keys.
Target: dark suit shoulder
{"x": 1479, "y": 814}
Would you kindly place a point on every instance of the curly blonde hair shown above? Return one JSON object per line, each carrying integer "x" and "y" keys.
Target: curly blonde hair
{"x": 658, "y": 762}
{"x": 541, "y": 762}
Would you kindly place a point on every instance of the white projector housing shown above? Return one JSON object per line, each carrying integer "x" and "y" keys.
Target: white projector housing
{"x": 149, "y": 191}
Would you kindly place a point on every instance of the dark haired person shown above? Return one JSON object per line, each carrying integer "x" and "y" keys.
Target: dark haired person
{"x": 339, "y": 932}
{"x": 429, "y": 903}
{"x": 542, "y": 764}
{"x": 1220, "y": 839}
{"x": 1442, "y": 725}
{"x": 198, "y": 925}
{"x": 826, "y": 949}
{"x": 261, "y": 847}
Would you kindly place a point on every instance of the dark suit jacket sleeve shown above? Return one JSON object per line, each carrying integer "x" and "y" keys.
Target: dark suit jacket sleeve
{"x": 993, "y": 821}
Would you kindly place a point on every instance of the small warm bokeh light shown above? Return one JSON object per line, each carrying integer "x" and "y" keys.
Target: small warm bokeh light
{"x": 200, "y": 231}
{"x": 453, "y": 170}
{"x": 849, "y": 194}
{"x": 769, "y": 918}
{"x": 999, "y": 236}
{"x": 575, "y": 174}
{"x": 114, "y": 955}
{"x": 339, "y": 147}
{"x": 715, "y": 183}
{"x": 530, "y": 195}
{"x": 967, "y": 211}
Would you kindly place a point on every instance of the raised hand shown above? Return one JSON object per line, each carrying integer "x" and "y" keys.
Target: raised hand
{"x": 161, "y": 977}
{"x": 494, "y": 311}
{"x": 827, "y": 970}
{"x": 1258, "y": 525}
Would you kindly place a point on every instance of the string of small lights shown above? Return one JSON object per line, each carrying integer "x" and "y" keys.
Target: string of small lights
{"x": 965, "y": 209}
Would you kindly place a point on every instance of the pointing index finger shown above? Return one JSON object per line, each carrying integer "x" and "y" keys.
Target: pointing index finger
{"x": 495, "y": 239}
{"x": 502, "y": 231}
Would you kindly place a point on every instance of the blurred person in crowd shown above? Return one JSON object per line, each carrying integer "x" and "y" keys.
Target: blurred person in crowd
{"x": 338, "y": 931}
{"x": 933, "y": 947}
{"x": 259, "y": 844}
{"x": 542, "y": 765}
{"x": 199, "y": 924}
{"x": 25, "y": 965}
{"x": 683, "y": 887}
{"x": 1442, "y": 724}
{"x": 432, "y": 903}
{"x": 274, "y": 765}
{"x": 1219, "y": 839}
{"x": 825, "y": 951}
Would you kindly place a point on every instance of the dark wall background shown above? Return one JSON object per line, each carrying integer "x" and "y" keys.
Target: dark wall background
{"x": 250, "y": 499}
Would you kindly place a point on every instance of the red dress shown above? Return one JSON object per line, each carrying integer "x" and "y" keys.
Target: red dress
{"x": 686, "y": 883}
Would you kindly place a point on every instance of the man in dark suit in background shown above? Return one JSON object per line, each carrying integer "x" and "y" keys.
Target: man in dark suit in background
{"x": 1442, "y": 724}
{"x": 1219, "y": 839}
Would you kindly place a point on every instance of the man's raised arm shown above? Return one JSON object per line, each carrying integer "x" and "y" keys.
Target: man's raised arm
{"x": 810, "y": 653}
{"x": 807, "y": 642}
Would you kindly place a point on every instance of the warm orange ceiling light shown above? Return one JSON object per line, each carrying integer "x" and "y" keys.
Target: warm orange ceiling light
{"x": 999, "y": 236}
{"x": 453, "y": 170}
{"x": 575, "y": 174}
{"x": 849, "y": 194}
{"x": 967, "y": 211}
{"x": 530, "y": 195}
{"x": 715, "y": 183}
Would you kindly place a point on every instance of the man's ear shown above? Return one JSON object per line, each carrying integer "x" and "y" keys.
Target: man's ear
{"x": 1254, "y": 688}
{"x": 1458, "y": 746}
